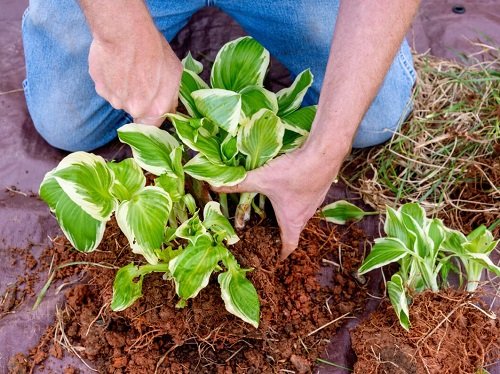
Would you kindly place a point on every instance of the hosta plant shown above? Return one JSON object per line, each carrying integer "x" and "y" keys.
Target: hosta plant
{"x": 160, "y": 220}
{"x": 234, "y": 123}
{"x": 425, "y": 250}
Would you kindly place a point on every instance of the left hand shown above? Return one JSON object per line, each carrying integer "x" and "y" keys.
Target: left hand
{"x": 296, "y": 183}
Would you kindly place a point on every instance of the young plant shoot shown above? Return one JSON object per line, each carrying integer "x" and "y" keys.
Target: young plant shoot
{"x": 160, "y": 221}
{"x": 235, "y": 124}
{"x": 424, "y": 249}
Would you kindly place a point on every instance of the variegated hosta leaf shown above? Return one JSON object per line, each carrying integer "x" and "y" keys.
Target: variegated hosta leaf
{"x": 292, "y": 141}
{"x": 189, "y": 202}
{"x": 215, "y": 221}
{"x": 223, "y": 107}
{"x": 415, "y": 211}
{"x": 480, "y": 241}
{"x": 342, "y": 211}
{"x": 190, "y": 82}
{"x": 87, "y": 181}
{"x": 143, "y": 219}
{"x": 260, "y": 139}
{"x": 436, "y": 233}
{"x": 206, "y": 145}
{"x": 151, "y": 147}
{"x": 190, "y": 63}
{"x": 127, "y": 287}
{"x": 395, "y": 228}
{"x": 229, "y": 150}
{"x": 301, "y": 120}
{"x": 191, "y": 229}
{"x": 384, "y": 252}
{"x": 173, "y": 186}
{"x": 422, "y": 243}
{"x": 191, "y": 270}
{"x": 485, "y": 261}
{"x": 397, "y": 295}
{"x": 240, "y": 63}
{"x": 83, "y": 231}
{"x": 255, "y": 98}
{"x": 289, "y": 99}
{"x": 129, "y": 178}
{"x": 216, "y": 174}
{"x": 454, "y": 241}
{"x": 240, "y": 296}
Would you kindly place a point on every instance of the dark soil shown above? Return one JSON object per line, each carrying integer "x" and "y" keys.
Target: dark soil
{"x": 449, "y": 334}
{"x": 203, "y": 337}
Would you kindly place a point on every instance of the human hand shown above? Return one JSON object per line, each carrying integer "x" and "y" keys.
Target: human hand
{"x": 296, "y": 183}
{"x": 138, "y": 73}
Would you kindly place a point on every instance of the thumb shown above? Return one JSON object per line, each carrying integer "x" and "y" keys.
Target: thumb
{"x": 249, "y": 184}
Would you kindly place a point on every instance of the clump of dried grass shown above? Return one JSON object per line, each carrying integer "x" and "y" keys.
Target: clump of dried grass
{"x": 447, "y": 154}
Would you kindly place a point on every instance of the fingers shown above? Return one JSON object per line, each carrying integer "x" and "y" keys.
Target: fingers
{"x": 153, "y": 121}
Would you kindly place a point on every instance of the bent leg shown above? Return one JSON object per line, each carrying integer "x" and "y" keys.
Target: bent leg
{"x": 299, "y": 34}
{"x": 61, "y": 98}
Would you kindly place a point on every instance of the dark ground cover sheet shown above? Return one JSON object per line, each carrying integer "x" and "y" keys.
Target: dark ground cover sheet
{"x": 444, "y": 28}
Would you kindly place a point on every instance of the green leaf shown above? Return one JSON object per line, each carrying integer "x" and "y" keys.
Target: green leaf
{"x": 87, "y": 181}
{"x": 191, "y": 270}
{"x": 397, "y": 295}
{"x": 289, "y": 99}
{"x": 485, "y": 261}
{"x": 151, "y": 147}
{"x": 255, "y": 98}
{"x": 415, "y": 211}
{"x": 129, "y": 178}
{"x": 208, "y": 146}
{"x": 240, "y": 296}
{"x": 171, "y": 186}
{"x": 191, "y": 229}
{"x": 291, "y": 141}
{"x": 301, "y": 120}
{"x": 190, "y": 82}
{"x": 240, "y": 63}
{"x": 395, "y": 228}
{"x": 229, "y": 150}
{"x": 84, "y": 232}
{"x": 436, "y": 233}
{"x": 143, "y": 219}
{"x": 260, "y": 139}
{"x": 191, "y": 64}
{"x": 215, "y": 221}
{"x": 216, "y": 174}
{"x": 220, "y": 106}
{"x": 454, "y": 241}
{"x": 384, "y": 252}
{"x": 127, "y": 287}
{"x": 342, "y": 211}
{"x": 480, "y": 241}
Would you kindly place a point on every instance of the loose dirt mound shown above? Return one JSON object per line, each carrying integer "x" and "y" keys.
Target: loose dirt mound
{"x": 449, "y": 334}
{"x": 203, "y": 337}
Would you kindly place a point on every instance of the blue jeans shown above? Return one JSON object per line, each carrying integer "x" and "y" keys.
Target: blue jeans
{"x": 69, "y": 114}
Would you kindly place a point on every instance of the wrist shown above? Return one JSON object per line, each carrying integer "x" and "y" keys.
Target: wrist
{"x": 119, "y": 22}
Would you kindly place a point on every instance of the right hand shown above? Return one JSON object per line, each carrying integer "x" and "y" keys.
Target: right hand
{"x": 137, "y": 72}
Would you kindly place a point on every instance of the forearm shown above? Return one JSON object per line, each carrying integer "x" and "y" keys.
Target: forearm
{"x": 117, "y": 20}
{"x": 367, "y": 36}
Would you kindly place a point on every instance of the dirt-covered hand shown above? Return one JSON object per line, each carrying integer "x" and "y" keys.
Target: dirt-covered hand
{"x": 296, "y": 184}
{"x": 139, "y": 74}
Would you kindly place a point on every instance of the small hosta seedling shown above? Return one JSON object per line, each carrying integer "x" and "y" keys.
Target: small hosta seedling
{"x": 160, "y": 221}
{"x": 424, "y": 249}
{"x": 235, "y": 124}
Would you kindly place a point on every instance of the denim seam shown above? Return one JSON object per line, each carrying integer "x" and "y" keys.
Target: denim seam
{"x": 407, "y": 67}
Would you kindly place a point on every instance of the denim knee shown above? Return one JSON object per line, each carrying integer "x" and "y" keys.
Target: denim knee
{"x": 392, "y": 105}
